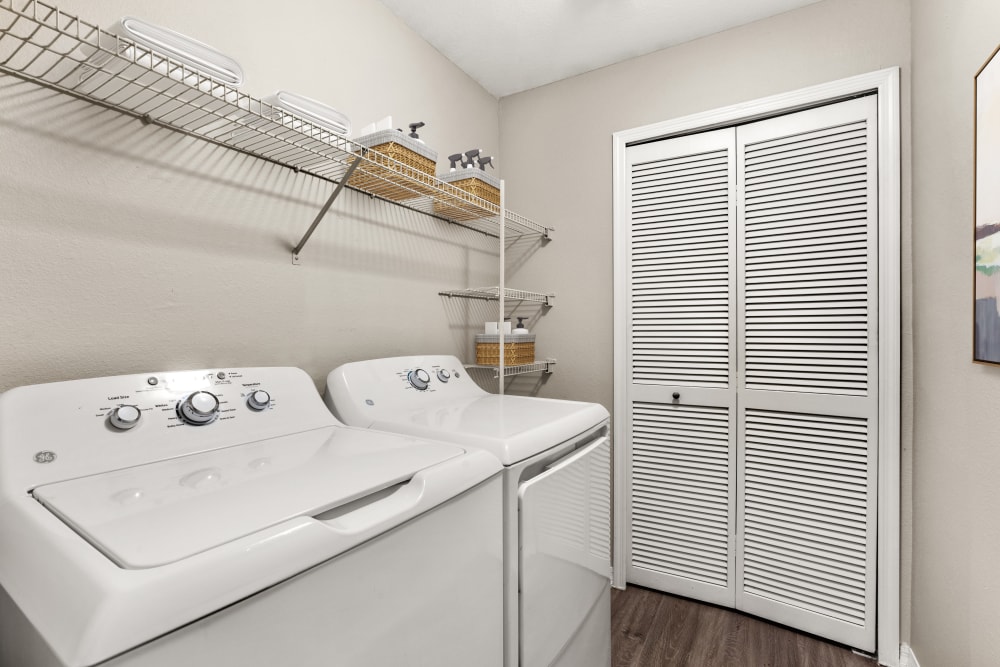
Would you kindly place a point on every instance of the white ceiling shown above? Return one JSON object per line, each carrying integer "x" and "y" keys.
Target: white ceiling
{"x": 514, "y": 45}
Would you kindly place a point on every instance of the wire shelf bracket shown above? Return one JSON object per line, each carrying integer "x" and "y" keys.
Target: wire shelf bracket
{"x": 323, "y": 211}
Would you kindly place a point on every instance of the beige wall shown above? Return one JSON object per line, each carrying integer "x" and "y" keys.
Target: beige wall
{"x": 956, "y": 444}
{"x": 127, "y": 248}
{"x": 556, "y": 143}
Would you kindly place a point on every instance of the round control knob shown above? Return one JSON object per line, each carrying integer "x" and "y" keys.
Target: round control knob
{"x": 443, "y": 375}
{"x": 419, "y": 379}
{"x": 258, "y": 400}
{"x": 198, "y": 409}
{"x": 124, "y": 417}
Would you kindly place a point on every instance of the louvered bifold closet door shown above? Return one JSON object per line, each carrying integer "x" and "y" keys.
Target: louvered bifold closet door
{"x": 807, "y": 379}
{"x": 681, "y": 329}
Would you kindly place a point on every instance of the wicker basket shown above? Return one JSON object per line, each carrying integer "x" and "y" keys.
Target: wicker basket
{"x": 476, "y": 182}
{"x": 519, "y": 349}
{"x": 473, "y": 182}
{"x": 397, "y": 167}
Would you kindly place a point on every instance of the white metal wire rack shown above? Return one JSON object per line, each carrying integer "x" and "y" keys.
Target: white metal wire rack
{"x": 539, "y": 366}
{"x": 493, "y": 294}
{"x": 42, "y": 44}
{"x": 512, "y": 299}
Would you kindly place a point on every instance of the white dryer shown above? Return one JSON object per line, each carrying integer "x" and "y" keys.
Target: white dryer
{"x": 224, "y": 517}
{"x": 557, "y": 493}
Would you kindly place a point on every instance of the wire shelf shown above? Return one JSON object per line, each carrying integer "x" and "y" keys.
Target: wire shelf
{"x": 41, "y": 44}
{"x": 541, "y": 366}
{"x": 493, "y": 294}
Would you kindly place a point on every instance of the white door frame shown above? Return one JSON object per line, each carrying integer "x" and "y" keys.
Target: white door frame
{"x": 886, "y": 84}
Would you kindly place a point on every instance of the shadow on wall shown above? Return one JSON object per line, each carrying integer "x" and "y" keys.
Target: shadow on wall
{"x": 98, "y": 208}
{"x": 526, "y": 385}
{"x": 200, "y": 186}
{"x": 520, "y": 249}
{"x": 520, "y": 385}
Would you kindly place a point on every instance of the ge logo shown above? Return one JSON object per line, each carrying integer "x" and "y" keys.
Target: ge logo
{"x": 45, "y": 457}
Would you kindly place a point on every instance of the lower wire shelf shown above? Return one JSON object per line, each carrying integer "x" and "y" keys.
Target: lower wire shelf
{"x": 540, "y": 366}
{"x": 493, "y": 294}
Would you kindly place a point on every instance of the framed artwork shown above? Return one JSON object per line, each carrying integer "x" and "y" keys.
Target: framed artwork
{"x": 986, "y": 337}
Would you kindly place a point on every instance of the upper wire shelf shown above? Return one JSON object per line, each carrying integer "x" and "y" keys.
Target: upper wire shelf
{"x": 42, "y": 44}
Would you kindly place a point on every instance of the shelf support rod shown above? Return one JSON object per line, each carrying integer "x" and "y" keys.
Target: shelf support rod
{"x": 326, "y": 207}
{"x": 502, "y": 288}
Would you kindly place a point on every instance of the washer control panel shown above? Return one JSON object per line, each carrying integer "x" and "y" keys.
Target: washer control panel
{"x": 430, "y": 378}
{"x": 192, "y": 399}
{"x": 68, "y": 429}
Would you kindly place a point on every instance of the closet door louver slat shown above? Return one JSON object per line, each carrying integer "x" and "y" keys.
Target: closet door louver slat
{"x": 680, "y": 244}
{"x": 680, "y": 323}
{"x": 808, "y": 500}
{"x": 806, "y": 223}
{"x": 835, "y": 313}
{"x": 681, "y": 514}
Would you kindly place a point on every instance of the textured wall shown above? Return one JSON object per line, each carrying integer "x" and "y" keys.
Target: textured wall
{"x": 556, "y": 142}
{"x": 956, "y": 448}
{"x": 128, "y": 248}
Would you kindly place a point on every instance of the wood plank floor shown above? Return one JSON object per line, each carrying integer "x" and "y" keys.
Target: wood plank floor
{"x": 650, "y": 629}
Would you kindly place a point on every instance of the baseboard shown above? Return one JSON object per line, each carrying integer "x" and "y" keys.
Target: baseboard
{"x": 906, "y": 657}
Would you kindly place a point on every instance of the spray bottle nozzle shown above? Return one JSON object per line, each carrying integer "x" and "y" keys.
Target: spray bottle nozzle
{"x": 484, "y": 161}
{"x": 455, "y": 159}
{"x": 414, "y": 127}
{"x": 470, "y": 157}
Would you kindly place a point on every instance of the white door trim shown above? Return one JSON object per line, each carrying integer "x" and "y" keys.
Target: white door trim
{"x": 886, "y": 84}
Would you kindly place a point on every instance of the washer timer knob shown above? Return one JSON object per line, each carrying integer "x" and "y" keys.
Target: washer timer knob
{"x": 419, "y": 379}
{"x": 258, "y": 400}
{"x": 124, "y": 417}
{"x": 198, "y": 409}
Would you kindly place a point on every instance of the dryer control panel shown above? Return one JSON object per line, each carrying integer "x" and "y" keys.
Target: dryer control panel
{"x": 397, "y": 383}
{"x": 69, "y": 429}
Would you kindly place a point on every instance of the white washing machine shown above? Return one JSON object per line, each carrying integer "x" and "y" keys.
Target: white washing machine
{"x": 225, "y": 518}
{"x": 557, "y": 493}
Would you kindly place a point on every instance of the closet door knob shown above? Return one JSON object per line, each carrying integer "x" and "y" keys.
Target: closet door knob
{"x": 677, "y": 395}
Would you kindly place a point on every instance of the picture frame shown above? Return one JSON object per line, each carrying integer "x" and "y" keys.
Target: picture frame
{"x": 986, "y": 213}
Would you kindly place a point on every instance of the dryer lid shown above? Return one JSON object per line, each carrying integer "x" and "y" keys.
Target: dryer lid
{"x": 150, "y": 515}
{"x": 512, "y": 428}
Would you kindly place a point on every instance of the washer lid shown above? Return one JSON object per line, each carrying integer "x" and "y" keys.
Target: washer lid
{"x": 512, "y": 428}
{"x": 158, "y": 513}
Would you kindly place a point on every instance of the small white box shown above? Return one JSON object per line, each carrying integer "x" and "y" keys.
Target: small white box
{"x": 492, "y": 329}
